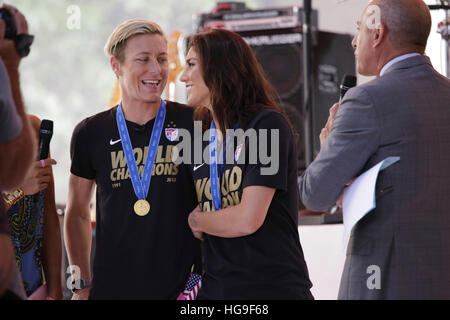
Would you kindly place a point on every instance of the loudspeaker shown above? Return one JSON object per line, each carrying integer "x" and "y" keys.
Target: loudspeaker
{"x": 280, "y": 54}
{"x": 332, "y": 58}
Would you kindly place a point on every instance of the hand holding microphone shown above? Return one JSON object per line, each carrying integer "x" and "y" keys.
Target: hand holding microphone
{"x": 38, "y": 177}
{"x": 349, "y": 81}
{"x": 326, "y": 130}
{"x": 40, "y": 173}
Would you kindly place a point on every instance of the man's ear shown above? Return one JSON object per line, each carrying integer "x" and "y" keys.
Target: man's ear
{"x": 115, "y": 65}
{"x": 379, "y": 35}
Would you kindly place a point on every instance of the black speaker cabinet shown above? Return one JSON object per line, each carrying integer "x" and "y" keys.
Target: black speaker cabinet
{"x": 333, "y": 57}
{"x": 280, "y": 54}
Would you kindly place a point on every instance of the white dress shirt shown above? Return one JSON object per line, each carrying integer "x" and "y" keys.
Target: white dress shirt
{"x": 397, "y": 59}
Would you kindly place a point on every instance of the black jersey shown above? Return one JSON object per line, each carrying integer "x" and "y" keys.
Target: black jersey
{"x": 269, "y": 263}
{"x": 137, "y": 257}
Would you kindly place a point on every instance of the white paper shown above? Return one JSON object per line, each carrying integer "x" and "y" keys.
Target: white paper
{"x": 359, "y": 197}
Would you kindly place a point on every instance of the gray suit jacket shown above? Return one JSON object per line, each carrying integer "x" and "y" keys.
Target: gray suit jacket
{"x": 401, "y": 249}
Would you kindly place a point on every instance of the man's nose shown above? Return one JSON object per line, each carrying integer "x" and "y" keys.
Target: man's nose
{"x": 354, "y": 41}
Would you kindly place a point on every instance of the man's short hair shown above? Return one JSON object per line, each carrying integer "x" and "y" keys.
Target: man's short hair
{"x": 408, "y": 22}
{"x": 117, "y": 40}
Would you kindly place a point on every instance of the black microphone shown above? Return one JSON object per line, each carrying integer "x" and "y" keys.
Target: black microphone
{"x": 349, "y": 81}
{"x": 45, "y": 135}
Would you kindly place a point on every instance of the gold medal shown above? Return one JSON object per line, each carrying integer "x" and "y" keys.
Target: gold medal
{"x": 142, "y": 207}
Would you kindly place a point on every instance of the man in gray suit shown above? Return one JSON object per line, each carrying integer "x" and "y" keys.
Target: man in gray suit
{"x": 401, "y": 249}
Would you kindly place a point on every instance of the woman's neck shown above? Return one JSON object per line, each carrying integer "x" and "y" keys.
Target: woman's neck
{"x": 139, "y": 112}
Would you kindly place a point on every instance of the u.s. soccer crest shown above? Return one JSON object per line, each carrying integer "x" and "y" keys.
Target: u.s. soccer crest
{"x": 171, "y": 134}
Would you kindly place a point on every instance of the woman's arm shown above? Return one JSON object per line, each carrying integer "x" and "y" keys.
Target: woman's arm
{"x": 78, "y": 229}
{"x": 51, "y": 244}
{"x": 236, "y": 221}
{"x": 38, "y": 179}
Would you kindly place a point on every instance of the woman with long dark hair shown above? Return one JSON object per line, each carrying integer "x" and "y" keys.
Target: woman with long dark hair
{"x": 247, "y": 188}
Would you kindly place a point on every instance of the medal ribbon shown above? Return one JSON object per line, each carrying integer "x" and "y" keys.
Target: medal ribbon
{"x": 214, "y": 177}
{"x": 141, "y": 186}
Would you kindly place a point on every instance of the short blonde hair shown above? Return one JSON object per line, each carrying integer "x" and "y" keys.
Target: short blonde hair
{"x": 117, "y": 40}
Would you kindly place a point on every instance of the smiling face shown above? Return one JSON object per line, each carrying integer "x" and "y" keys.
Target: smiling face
{"x": 143, "y": 72}
{"x": 198, "y": 92}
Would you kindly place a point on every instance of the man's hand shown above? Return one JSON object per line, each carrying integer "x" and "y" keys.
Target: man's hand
{"x": 339, "y": 202}
{"x": 327, "y": 129}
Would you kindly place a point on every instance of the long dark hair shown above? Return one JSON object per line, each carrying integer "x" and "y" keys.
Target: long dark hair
{"x": 236, "y": 81}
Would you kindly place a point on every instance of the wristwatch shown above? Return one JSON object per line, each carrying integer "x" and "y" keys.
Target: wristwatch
{"x": 82, "y": 283}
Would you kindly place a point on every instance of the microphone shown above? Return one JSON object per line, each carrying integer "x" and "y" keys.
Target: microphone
{"x": 45, "y": 135}
{"x": 349, "y": 81}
